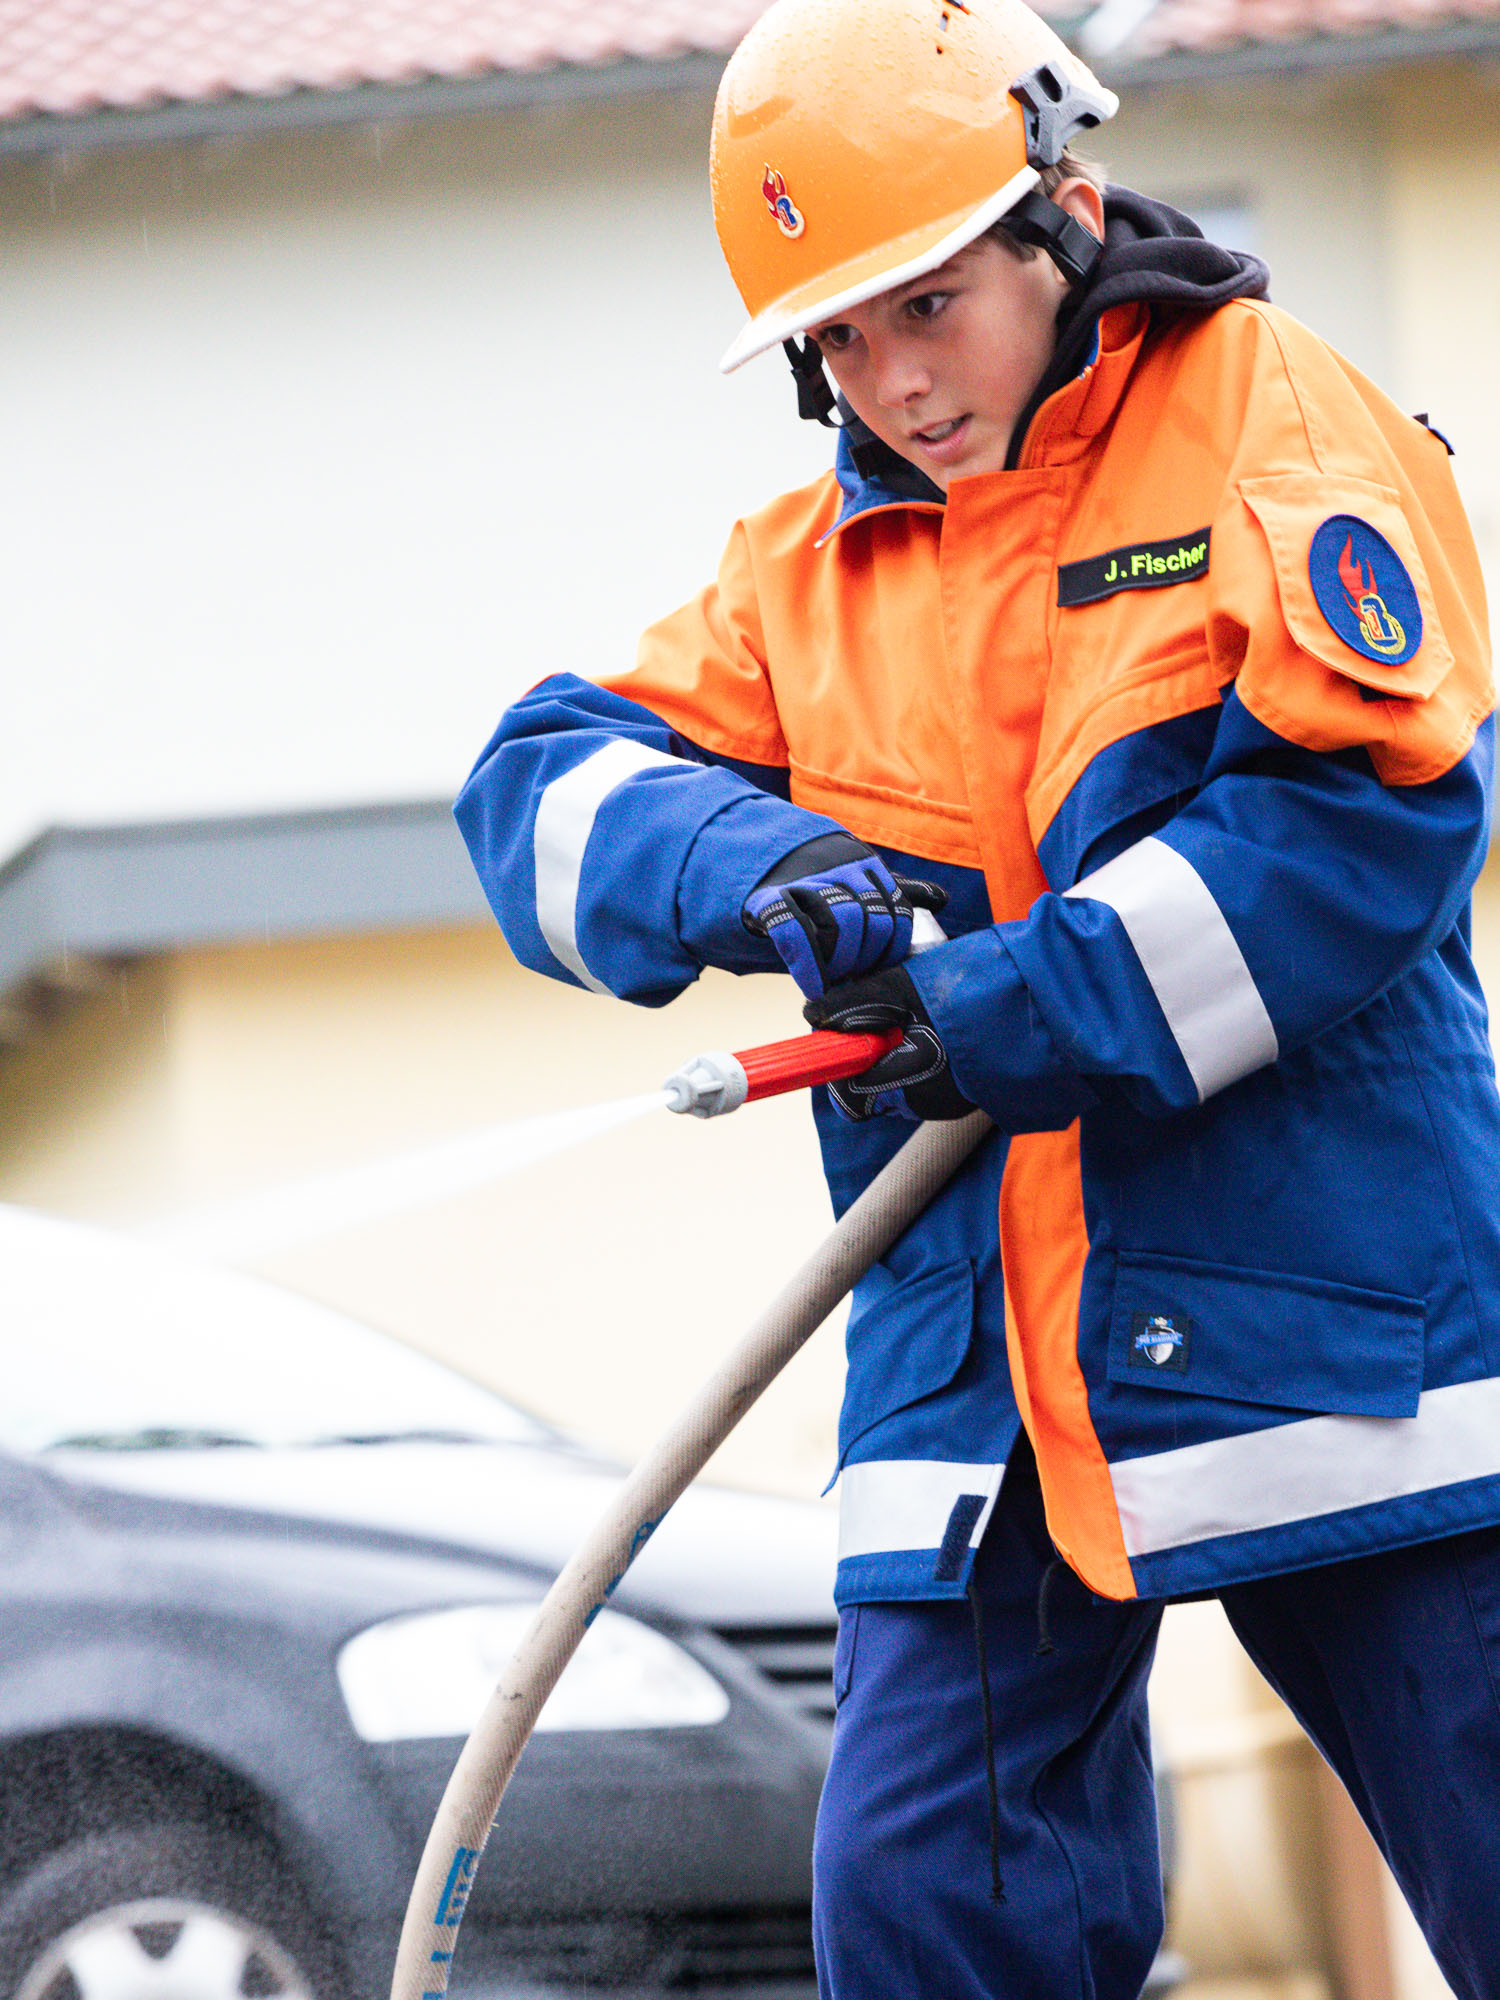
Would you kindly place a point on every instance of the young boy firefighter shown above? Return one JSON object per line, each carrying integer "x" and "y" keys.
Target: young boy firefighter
{"x": 1141, "y": 625}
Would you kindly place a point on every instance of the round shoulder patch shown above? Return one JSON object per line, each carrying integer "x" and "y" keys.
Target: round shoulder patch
{"x": 1364, "y": 590}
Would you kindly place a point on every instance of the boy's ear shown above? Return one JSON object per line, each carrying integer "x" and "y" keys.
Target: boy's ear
{"x": 1083, "y": 201}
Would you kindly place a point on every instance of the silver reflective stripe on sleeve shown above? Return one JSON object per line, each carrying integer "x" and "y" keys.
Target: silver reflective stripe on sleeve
{"x": 1316, "y": 1465}
{"x": 905, "y": 1503}
{"x": 1188, "y": 952}
{"x": 565, "y": 818}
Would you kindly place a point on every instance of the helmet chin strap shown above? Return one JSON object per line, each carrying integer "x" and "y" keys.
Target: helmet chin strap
{"x": 816, "y": 401}
{"x": 1040, "y": 224}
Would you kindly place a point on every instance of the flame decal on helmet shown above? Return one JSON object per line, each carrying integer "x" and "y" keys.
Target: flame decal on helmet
{"x": 788, "y": 217}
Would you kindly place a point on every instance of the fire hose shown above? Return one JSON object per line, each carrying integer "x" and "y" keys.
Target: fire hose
{"x": 706, "y": 1087}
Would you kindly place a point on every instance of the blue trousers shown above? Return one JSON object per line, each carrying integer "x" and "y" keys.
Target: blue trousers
{"x": 944, "y": 1872}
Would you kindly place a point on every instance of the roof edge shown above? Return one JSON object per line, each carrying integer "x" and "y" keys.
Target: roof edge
{"x": 122, "y": 891}
{"x": 42, "y": 133}
{"x": 1390, "y": 49}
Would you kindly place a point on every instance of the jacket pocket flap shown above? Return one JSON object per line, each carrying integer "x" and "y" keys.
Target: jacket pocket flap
{"x": 906, "y": 1340}
{"x": 1265, "y": 1337}
{"x": 1353, "y": 589}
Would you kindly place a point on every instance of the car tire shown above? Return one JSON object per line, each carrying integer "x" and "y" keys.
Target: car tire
{"x": 184, "y": 1912}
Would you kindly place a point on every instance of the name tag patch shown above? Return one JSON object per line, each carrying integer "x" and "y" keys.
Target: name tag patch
{"x": 1139, "y": 566}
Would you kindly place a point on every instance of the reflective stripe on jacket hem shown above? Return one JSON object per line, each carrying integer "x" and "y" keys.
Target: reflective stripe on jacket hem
{"x": 909, "y": 1503}
{"x": 1312, "y": 1466}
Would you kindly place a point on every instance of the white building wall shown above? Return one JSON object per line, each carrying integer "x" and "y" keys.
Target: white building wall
{"x": 1303, "y": 165}
{"x": 1445, "y": 295}
{"x": 320, "y": 449}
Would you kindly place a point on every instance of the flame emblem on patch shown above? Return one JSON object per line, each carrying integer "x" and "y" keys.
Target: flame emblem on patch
{"x": 1380, "y": 630}
{"x": 788, "y": 217}
{"x": 1365, "y": 591}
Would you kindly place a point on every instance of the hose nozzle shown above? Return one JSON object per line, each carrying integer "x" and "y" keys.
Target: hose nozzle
{"x": 708, "y": 1086}
{"x": 717, "y": 1082}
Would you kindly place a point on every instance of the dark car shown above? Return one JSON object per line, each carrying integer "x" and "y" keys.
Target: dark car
{"x": 262, "y": 1566}
{"x": 261, "y": 1569}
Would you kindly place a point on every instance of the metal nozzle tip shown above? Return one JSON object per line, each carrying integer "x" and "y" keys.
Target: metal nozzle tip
{"x": 708, "y": 1086}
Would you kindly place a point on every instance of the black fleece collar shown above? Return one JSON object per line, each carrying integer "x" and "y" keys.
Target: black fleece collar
{"x": 1154, "y": 255}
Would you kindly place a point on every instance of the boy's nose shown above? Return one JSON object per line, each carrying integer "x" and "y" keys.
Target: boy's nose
{"x": 900, "y": 375}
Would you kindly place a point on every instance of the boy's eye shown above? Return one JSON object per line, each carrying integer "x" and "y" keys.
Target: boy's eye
{"x": 834, "y": 339}
{"x": 927, "y": 305}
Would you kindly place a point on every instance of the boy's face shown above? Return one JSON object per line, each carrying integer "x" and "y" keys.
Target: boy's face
{"x": 941, "y": 368}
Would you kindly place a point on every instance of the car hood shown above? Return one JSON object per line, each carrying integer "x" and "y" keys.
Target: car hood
{"x": 721, "y": 1557}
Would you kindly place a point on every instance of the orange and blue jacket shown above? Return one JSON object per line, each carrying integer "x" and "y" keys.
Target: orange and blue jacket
{"x": 1188, "y": 711}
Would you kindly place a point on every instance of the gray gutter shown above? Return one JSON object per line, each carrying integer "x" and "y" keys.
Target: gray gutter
{"x": 113, "y": 892}
{"x": 506, "y": 90}
{"x": 1462, "y": 41}
{"x": 368, "y": 104}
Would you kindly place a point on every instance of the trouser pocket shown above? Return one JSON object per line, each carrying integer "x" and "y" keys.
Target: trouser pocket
{"x": 843, "y": 1652}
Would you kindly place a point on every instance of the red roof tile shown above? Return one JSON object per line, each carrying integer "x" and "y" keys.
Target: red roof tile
{"x": 85, "y": 55}
{"x": 1211, "y": 25}
{"x": 77, "y": 56}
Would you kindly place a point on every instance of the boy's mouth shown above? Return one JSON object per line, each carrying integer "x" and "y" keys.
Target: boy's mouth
{"x": 935, "y": 436}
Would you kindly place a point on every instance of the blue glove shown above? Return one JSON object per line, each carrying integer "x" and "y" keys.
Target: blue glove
{"x": 913, "y": 1079}
{"x": 832, "y": 909}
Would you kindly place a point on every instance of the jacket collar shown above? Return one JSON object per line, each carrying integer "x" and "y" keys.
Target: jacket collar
{"x": 1156, "y": 261}
{"x": 873, "y": 479}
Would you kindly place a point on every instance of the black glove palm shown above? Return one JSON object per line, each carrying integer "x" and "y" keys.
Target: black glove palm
{"x": 917, "y": 1071}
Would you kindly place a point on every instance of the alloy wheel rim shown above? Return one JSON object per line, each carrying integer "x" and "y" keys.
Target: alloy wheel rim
{"x": 164, "y": 1948}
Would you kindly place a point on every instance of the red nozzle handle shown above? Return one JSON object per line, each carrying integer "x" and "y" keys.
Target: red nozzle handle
{"x": 821, "y": 1057}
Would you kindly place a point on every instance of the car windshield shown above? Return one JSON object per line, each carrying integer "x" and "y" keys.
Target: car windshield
{"x": 109, "y": 1347}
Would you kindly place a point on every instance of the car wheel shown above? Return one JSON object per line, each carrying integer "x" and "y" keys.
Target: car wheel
{"x": 161, "y": 1913}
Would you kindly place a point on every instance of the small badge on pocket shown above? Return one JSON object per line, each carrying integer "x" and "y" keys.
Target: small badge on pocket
{"x": 1160, "y": 1340}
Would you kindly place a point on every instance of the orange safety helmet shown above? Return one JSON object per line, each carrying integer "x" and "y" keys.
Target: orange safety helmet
{"x": 860, "y": 143}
